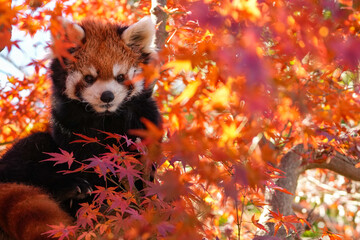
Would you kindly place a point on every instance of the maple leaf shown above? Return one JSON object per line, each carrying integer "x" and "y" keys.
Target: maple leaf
{"x": 62, "y": 41}
{"x": 87, "y": 235}
{"x": 61, "y": 231}
{"x": 129, "y": 172}
{"x": 178, "y": 66}
{"x": 346, "y": 53}
{"x": 150, "y": 73}
{"x": 115, "y": 136}
{"x": 118, "y": 202}
{"x": 37, "y": 64}
{"x": 128, "y": 141}
{"x": 87, "y": 215}
{"x": 303, "y": 222}
{"x": 81, "y": 168}
{"x": 86, "y": 139}
{"x": 59, "y": 158}
{"x": 257, "y": 224}
{"x": 230, "y": 188}
{"x": 152, "y": 134}
{"x": 118, "y": 156}
{"x": 60, "y": 49}
{"x": 135, "y": 214}
{"x": 140, "y": 146}
{"x": 271, "y": 184}
{"x": 331, "y": 235}
{"x": 164, "y": 228}
{"x": 201, "y": 12}
{"x": 191, "y": 89}
{"x": 103, "y": 164}
{"x": 286, "y": 221}
{"x": 102, "y": 193}
{"x": 173, "y": 186}
{"x": 5, "y": 37}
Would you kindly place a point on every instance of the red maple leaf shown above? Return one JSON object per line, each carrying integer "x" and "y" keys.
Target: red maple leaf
{"x": 129, "y": 172}
{"x": 59, "y": 158}
{"x": 128, "y": 141}
{"x": 85, "y": 140}
{"x": 103, "y": 164}
{"x": 270, "y": 184}
{"x": 257, "y": 224}
{"x": 87, "y": 215}
{"x": 331, "y": 235}
{"x": 164, "y": 228}
{"x": 285, "y": 221}
{"x": 152, "y": 133}
{"x": 61, "y": 231}
{"x": 111, "y": 135}
{"x": 119, "y": 202}
{"x": 102, "y": 193}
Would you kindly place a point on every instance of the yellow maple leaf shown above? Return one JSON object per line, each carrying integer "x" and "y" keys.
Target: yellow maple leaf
{"x": 188, "y": 93}
{"x": 178, "y": 66}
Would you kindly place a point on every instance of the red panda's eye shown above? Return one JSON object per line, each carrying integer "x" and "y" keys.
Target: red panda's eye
{"x": 89, "y": 79}
{"x": 120, "y": 78}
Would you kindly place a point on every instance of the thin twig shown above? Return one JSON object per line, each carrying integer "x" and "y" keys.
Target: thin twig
{"x": 19, "y": 68}
{"x": 6, "y": 143}
{"x": 242, "y": 211}
{"x": 239, "y": 220}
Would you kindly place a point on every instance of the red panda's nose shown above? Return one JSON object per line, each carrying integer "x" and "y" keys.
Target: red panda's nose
{"x": 107, "y": 96}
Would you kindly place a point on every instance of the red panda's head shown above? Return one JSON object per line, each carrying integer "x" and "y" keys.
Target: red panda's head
{"x": 107, "y": 59}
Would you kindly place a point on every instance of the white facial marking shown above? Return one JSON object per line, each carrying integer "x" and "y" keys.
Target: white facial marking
{"x": 138, "y": 84}
{"x": 118, "y": 69}
{"x": 93, "y": 71}
{"x": 138, "y": 88}
{"x": 93, "y": 93}
{"x": 131, "y": 73}
{"x": 70, "y": 84}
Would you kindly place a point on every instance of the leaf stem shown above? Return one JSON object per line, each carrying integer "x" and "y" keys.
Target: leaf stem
{"x": 239, "y": 219}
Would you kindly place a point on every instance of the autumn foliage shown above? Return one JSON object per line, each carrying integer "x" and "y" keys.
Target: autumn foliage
{"x": 240, "y": 83}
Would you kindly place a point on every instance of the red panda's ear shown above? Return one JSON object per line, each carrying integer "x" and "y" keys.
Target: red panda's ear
{"x": 141, "y": 35}
{"x": 73, "y": 31}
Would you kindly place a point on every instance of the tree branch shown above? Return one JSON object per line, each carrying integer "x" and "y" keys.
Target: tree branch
{"x": 161, "y": 17}
{"x": 293, "y": 166}
{"x": 340, "y": 164}
{"x": 19, "y": 68}
{"x": 279, "y": 201}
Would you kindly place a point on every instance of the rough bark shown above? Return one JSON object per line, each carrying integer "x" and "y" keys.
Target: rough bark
{"x": 293, "y": 166}
{"x": 340, "y": 164}
{"x": 279, "y": 201}
{"x": 160, "y": 17}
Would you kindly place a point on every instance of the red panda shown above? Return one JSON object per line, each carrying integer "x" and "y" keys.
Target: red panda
{"x": 91, "y": 93}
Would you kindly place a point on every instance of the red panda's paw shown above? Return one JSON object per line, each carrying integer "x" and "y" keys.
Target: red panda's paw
{"x": 74, "y": 188}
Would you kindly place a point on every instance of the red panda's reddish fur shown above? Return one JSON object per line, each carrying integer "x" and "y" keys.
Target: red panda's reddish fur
{"x": 104, "y": 39}
{"x": 26, "y": 212}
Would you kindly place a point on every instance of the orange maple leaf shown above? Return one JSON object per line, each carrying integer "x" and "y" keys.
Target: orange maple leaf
{"x": 257, "y": 224}
{"x": 150, "y": 135}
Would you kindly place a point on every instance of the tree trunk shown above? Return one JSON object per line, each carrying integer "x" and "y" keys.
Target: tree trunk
{"x": 160, "y": 17}
{"x": 279, "y": 201}
{"x": 293, "y": 166}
